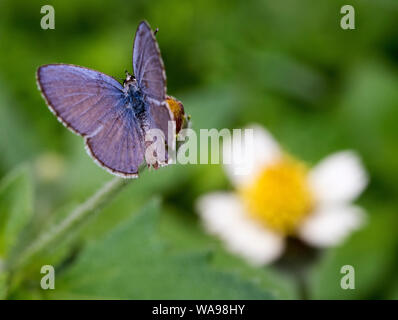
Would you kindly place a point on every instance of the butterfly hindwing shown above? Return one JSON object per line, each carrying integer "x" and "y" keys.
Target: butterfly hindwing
{"x": 119, "y": 144}
{"x": 160, "y": 118}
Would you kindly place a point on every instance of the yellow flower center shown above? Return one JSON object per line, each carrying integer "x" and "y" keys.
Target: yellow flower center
{"x": 279, "y": 197}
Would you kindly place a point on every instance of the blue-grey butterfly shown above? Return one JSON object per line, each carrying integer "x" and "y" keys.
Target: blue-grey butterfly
{"x": 114, "y": 119}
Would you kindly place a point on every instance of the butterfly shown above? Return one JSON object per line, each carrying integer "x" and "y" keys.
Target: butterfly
{"x": 115, "y": 118}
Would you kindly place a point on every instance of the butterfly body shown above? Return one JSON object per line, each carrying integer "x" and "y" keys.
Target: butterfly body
{"x": 114, "y": 119}
{"x": 135, "y": 99}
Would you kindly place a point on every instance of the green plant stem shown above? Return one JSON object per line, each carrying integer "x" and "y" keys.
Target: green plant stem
{"x": 75, "y": 218}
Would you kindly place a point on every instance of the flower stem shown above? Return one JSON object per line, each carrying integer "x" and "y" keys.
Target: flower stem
{"x": 73, "y": 220}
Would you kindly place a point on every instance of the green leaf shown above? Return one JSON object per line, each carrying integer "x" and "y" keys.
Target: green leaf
{"x": 131, "y": 262}
{"x": 369, "y": 109}
{"x": 16, "y": 207}
{"x": 186, "y": 234}
{"x": 55, "y": 254}
{"x": 371, "y": 252}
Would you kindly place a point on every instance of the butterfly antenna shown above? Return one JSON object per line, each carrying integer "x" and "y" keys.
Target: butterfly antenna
{"x": 156, "y": 31}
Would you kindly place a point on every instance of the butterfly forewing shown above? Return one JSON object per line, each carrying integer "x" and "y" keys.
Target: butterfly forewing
{"x": 148, "y": 65}
{"x": 93, "y": 105}
{"x": 149, "y": 72}
{"x": 81, "y": 98}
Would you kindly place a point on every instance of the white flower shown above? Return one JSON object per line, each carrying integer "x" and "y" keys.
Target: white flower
{"x": 280, "y": 196}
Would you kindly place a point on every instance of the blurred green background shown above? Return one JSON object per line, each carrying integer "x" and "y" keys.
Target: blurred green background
{"x": 284, "y": 64}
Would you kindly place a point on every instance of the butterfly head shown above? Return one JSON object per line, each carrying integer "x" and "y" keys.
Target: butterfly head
{"x": 130, "y": 79}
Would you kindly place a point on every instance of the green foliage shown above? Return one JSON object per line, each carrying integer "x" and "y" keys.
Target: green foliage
{"x": 371, "y": 252}
{"x": 131, "y": 262}
{"x": 286, "y": 65}
{"x": 185, "y": 235}
{"x": 16, "y": 207}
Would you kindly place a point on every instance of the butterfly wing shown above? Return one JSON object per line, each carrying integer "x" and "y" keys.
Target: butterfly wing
{"x": 81, "y": 98}
{"x": 148, "y": 64}
{"x": 92, "y": 105}
{"x": 119, "y": 145}
{"x": 151, "y": 77}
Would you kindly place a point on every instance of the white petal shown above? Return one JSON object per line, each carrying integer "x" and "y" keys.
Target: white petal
{"x": 245, "y": 154}
{"x": 223, "y": 215}
{"x": 330, "y": 226}
{"x": 338, "y": 178}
